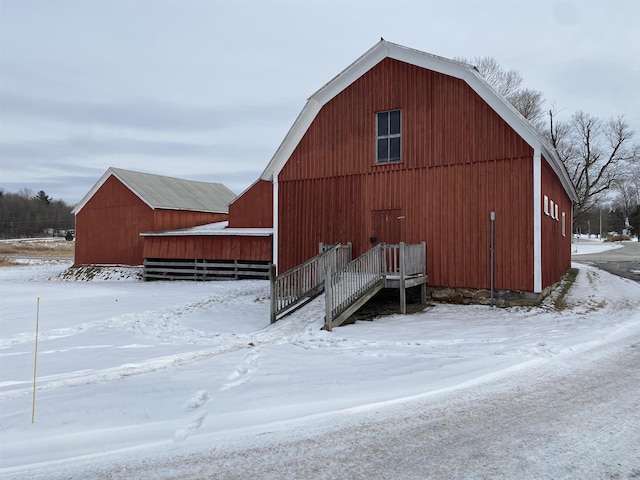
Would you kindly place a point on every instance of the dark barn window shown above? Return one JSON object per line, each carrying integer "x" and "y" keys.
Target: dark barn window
{"x": 388, "y": 135}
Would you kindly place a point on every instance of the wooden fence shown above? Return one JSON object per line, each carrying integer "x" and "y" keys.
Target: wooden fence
{"x": 293, "y": 288}
{"x": 183, "y": 269}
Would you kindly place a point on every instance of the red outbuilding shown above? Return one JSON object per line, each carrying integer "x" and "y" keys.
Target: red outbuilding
{"x": 123, "y": 204}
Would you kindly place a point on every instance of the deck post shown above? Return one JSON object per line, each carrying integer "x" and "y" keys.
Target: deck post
{"x": 328, "y": 302}
{"x": 274, "y": 295}
{"x": 423, "y": 287}
{"x": 403, "y": 270}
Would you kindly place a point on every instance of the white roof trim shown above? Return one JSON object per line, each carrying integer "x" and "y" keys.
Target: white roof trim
{"x": 105, "y": 176}
{"x": 375, "y": 55}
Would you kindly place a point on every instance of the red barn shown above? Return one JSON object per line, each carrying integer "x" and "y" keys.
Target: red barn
{"x": 123, "y": 204}
{"x": 407, "y": 146}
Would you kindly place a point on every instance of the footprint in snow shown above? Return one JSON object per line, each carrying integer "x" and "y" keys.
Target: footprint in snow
{"x": 243, "y": 372}
{"x": 194, "y": 424}
{"x": 197, "y": 400}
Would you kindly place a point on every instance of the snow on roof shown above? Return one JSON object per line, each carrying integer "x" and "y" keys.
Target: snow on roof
{"x": 161, "y": 192}
{"x": 384, "y": 49}
{"x": 212, "y": 229}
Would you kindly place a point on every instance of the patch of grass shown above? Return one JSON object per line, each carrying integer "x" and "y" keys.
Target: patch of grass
{"x": 41, "y": 249}
{"x": 569, "y": 278}
{"x": 7, "y": 262}
{"x": 86, "y": 273}
{"x": 56, "y": 248}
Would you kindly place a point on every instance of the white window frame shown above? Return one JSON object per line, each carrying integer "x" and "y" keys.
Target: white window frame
{"x": 546, "y": 205}
{"x": 388, "y": 137}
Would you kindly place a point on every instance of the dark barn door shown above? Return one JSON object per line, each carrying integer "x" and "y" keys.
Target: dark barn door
{"x": 386, "y": 226}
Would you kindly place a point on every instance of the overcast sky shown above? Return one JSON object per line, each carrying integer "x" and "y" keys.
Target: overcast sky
{"x": 207, "y": 89}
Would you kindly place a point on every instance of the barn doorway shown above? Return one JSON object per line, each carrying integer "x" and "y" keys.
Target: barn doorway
{"x": 386, "y": 226}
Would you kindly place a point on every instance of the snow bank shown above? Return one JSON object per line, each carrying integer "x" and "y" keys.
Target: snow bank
{"x": 585, "y": 246}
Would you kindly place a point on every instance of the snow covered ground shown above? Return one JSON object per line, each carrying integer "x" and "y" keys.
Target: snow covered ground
{"x": 584, "y": 245}
{"x": 129, "y": 370}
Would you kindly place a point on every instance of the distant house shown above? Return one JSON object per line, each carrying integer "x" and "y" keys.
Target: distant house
{"x": 123, "y": 204}
{"x": 404, "y": 146}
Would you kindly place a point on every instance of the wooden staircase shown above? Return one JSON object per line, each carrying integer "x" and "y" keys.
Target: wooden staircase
{"x": 349, "y": 284}
{"x": 384, "y": 266}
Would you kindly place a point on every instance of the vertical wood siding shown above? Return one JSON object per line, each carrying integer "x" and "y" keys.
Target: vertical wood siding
{"x": 209, "y": 247}
{"x": 108, "y": 227}
{"x": 460, "y": 160}
{"x": 254, "y": 208}
{"x": 174, "y": 219}
{"x": 556, "y": 247}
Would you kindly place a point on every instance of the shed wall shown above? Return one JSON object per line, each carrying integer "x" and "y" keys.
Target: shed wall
{"x": 108, "y": 227}
{"x": 174, "y": 219}
{"x": 254, "y": 208}
{"x": 208, "y": 247}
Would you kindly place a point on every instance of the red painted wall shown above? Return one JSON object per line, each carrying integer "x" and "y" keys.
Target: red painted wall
{"x": 209, "y": 247}
{"x": 460, "y": 160}
{"x": 254, "y": 208}
{"x": 556, "y": 240}
{"x": 108, "y": 227}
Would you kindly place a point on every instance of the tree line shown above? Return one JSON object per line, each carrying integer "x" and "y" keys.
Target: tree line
{"x": 25, "y": 214}
{"x": 600, "y": 155}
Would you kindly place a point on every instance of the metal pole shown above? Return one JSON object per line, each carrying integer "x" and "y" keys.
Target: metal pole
{"x": 492, "y": 216}
{"x": 35, "y": 364}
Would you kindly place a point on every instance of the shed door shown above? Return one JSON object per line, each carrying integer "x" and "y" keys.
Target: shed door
{"x": 386, "y": 226}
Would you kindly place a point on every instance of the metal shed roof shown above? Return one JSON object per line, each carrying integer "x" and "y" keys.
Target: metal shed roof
{"x": 169, "y": 193}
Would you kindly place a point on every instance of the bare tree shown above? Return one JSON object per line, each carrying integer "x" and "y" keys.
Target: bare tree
{"x": 508, "y": 83}
{"x": 627, "y": 196}
{"x": 596, "y": 154}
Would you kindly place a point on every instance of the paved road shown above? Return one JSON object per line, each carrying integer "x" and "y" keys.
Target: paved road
{"x": 624, "y": 262}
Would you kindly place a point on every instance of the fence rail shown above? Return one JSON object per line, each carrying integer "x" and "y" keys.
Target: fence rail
{"x": 294, "y": 287}
{"x": 197, "y": 269}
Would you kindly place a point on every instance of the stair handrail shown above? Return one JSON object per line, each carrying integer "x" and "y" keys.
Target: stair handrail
{"x": 303, "y": 282}
{"x": 345, "y": 287}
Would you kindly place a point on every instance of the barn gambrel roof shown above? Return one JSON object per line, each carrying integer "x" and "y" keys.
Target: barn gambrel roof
{"x": 467, "y": 73}
{"x": 168, "y": 193}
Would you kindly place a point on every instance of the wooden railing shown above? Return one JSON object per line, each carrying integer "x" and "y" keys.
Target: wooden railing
{"x": 294, "y": 287}
{"x": 361, "y": 279}
{"x": 346, "y": 288}
{"x": 414, "y": 255}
